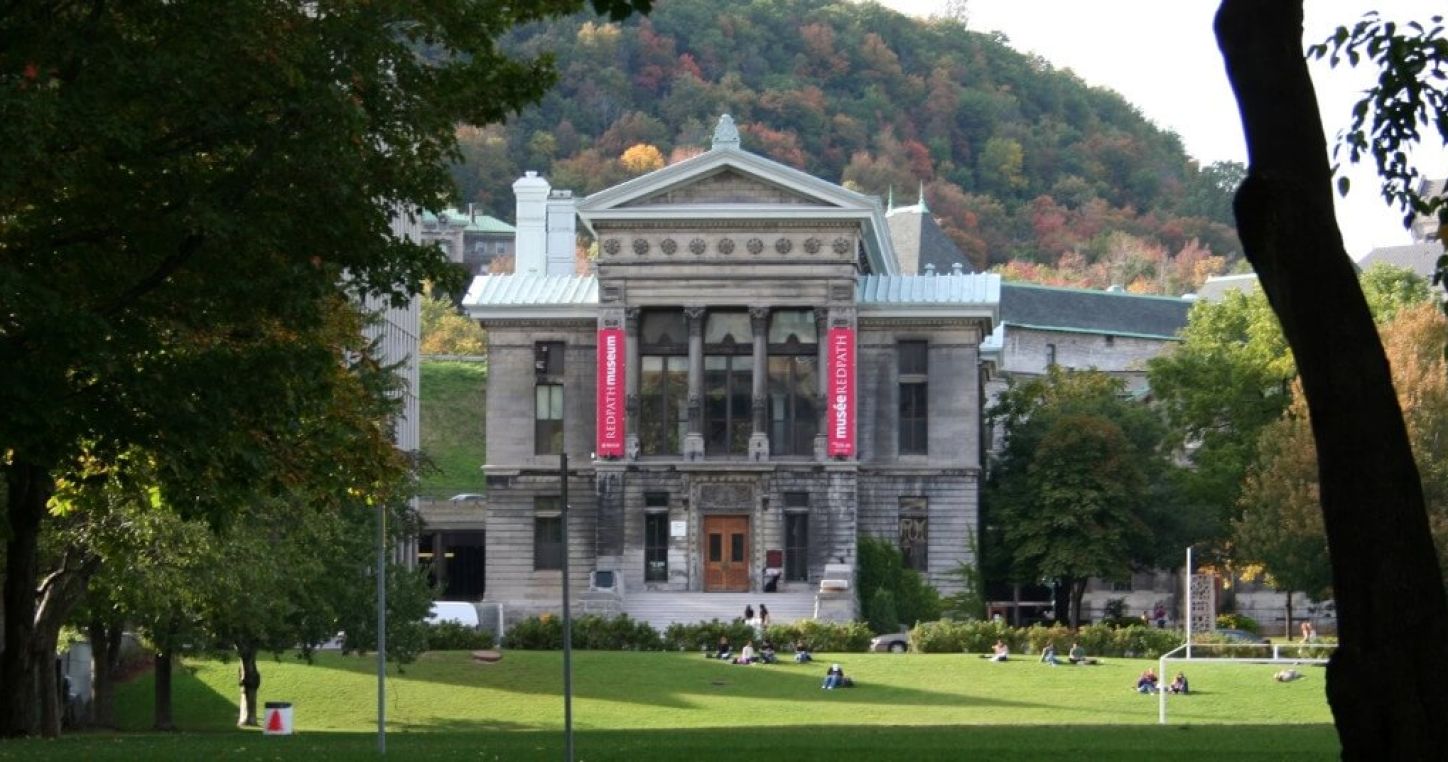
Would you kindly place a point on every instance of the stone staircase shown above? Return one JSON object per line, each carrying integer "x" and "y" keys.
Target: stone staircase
{"x": 662, "y": 609}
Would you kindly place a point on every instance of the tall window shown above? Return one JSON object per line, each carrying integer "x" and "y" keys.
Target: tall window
{"x": 914, "y": 366}
{"x": 663, "y": 382}
{"x": 547, "y": 533}
{"x": 548, "y": 398}
{"x": 1050, "y": 355}
{"x": 796, "y": 536}
{"x": 728, "y": 382}
{"x": 793, "y": 382}
{"x": 914, "y": 533}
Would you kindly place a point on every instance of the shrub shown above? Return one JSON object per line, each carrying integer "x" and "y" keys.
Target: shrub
{"x": 704, "y": 636}
{"x": 591, "y": 632}
{"x": 455, "y": 636}
{"x": 881, "y": 612}
{"x": 1238, "y": 622}
{"x": 1115, "y": 608}
{"x": 882, "y": 567}
{"x": 821, "y": 636}
{"x": 946, "y": 636}
{"x": 596, "y": 633}
{"x": 536, "y": 633}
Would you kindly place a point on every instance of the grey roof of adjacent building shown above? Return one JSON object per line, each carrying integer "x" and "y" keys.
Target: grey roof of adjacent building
{"x": 1074, "y": 310}
{"x": 1418, "y": 257}
{"x": 1217, "y": 286}
{"x": 919, "y": 242}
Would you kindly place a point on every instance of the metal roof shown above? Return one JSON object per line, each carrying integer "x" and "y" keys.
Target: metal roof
{"x": 973, "y": 290}
{"x": 496, "y": 296}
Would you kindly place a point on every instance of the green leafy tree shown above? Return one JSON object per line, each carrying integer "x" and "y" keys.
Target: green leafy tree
{"x": 1075, "y": 480}
{"x": 166, "y": 210}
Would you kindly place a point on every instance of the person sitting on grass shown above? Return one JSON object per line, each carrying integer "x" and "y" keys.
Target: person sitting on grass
{"x": 746, "y": 654}
{"x": 723, "y": 651}
{"x": 801, "y": 652}
{"x": 999, "y": 652}
{"x": 1178, "y": 684}
{"x": 766, "y": 653}
{"x": 1147, "y": 682}
{"x": 1048, "y": 654}
{"x": 1287, "y": 675}
{"x": 1077, "y": 655}
{"x": 835, "y": 678}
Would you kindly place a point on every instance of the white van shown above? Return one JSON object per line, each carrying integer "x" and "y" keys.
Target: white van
{"x": 463, "y": 613}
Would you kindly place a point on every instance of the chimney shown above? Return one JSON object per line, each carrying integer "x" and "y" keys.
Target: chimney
{"x": 531, "y": 245}
{"x": 562, "y": 232}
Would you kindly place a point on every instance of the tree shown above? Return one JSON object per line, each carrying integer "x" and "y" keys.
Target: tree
{"x": 1386, "y": 681}
{"x": 1281, "y": 523}
{"x": 445, "y": 332}
{"x": 1075, "y": 480}
{"x": 166, "y": 211}
{"x": 641, "y": 158}
{"x": 1219, "y": 387}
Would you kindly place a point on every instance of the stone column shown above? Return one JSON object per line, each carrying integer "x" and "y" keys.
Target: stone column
{"x": 694, "y": 439}
{"x": 822, "y": 327}
{"x": 759, "y": 434}
{"x": 631, "y": 381}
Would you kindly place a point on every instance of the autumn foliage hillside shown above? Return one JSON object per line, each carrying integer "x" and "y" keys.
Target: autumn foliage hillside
{"x": 1020, "y": 162}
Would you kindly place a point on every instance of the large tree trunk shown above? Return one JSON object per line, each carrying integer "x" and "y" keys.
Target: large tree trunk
{"x": 29, "y": 488}
{"x": 1387, "y": 683}
{"x": 1078, "y": 590}
{"x": 105, "y": 658}
{"x": 59, "y": 593}
{"x": 163, "y": 718}
{"x": 249, "y": 678}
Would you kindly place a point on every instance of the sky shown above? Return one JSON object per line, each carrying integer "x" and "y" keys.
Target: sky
{"x": 1161, "y": 56}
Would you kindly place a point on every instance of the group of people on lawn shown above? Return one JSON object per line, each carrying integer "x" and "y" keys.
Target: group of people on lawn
{"x": 1077, "y": 655}
{"x": 1148, "y": 683}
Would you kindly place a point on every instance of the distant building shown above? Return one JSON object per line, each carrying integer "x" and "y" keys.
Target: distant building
{"x": 470, "y": 239}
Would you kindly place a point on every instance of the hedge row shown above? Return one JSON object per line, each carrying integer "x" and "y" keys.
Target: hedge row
{"x": 947, "y": 636}
{"x": 592, "y": 632}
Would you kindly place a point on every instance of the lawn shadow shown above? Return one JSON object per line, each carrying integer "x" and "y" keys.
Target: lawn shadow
{"x": 666, "y": 679}
{"x": 195, "y": 705}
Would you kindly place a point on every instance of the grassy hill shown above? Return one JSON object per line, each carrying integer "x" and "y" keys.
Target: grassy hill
{"x": 645, "y": 706}
{"x": 453, "y": 396}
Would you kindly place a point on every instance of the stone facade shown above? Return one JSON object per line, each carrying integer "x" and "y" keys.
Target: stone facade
{"x": 718, "y": 501}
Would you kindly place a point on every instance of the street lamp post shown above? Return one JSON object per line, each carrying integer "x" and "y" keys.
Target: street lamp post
{"x": 567, "y": 622}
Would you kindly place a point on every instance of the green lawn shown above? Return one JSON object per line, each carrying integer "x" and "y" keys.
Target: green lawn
{"x": 633, "y": 706}
{"x": 452, "y": 398}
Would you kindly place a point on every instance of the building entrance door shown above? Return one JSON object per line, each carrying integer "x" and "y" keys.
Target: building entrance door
{"x": 726, "y": 553}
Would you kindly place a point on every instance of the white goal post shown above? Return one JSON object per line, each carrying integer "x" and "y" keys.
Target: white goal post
{"x": 1274, "y": 656}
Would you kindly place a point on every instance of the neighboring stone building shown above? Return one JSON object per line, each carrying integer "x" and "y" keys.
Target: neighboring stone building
{"x": 747, "y": 385}
{"x": 470, "y": 239}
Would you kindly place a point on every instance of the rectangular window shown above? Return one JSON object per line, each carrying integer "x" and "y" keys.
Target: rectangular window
{"x": 656, "y": 547}
{"x": 663, "y": 404}
{"x": 548, "y": 359}
{"x": 548, "y": 544}
{"x": 548, "y": 419}
{"x": 1110, "y": 340}
{"x": 792, "y": 381}
{"x": 1050, "y": 355}
{"x": 728, "y": 404}
{"x": 914, "y": 533}
{"x": 796, "y": 546}
{"x": 914, "y": 368}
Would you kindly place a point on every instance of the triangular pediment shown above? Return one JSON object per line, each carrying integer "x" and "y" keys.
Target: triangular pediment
{"x": 727, "y": 185}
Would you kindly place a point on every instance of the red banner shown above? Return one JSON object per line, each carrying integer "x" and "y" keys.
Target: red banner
{"x": 611, "y": 416}
{"x": 840, "y": 399}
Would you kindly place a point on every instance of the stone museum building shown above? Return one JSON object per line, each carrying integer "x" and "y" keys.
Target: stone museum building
{"x": 747, "y": 384}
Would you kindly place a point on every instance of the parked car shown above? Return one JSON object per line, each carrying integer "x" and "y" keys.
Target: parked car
{"x": 895, "y": 643}
{"x": 1242, "y": 636}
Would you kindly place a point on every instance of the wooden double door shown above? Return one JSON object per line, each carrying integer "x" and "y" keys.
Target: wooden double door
{"x": 726, "y": 553}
